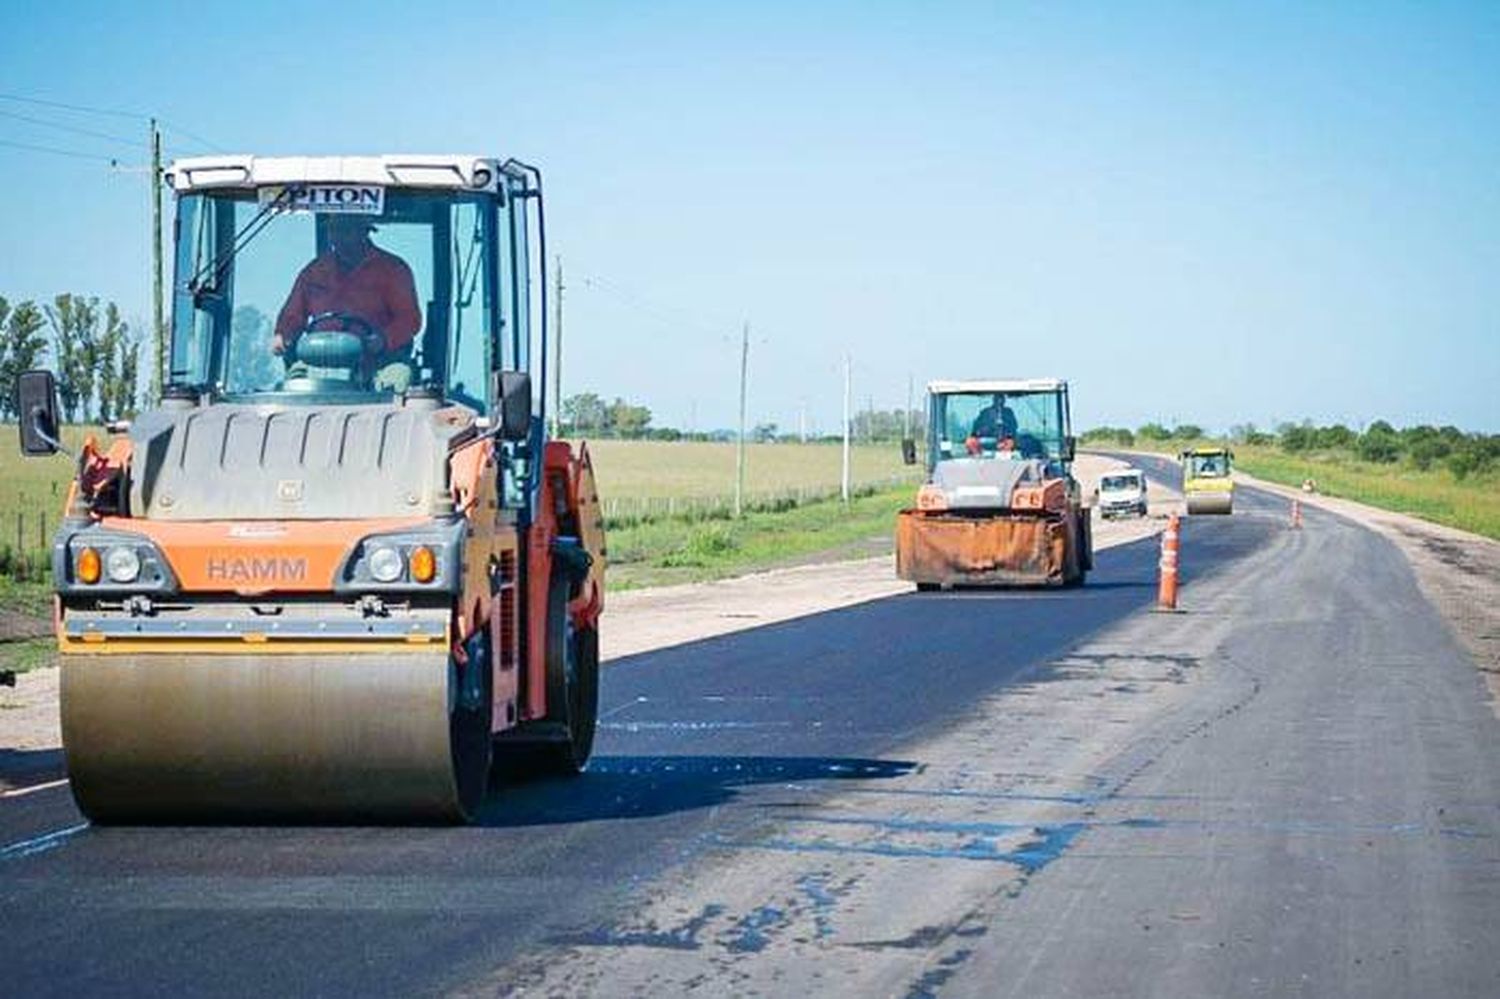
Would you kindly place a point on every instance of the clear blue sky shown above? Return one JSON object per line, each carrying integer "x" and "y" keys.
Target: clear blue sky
{"x": 1195, "y": 212}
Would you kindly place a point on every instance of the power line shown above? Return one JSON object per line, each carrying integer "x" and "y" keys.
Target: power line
{"x": 112, "y": 113}
{"x": 112, "y": 160}
{"x": 132, "y": 143}
{"x": 81, "y": 108}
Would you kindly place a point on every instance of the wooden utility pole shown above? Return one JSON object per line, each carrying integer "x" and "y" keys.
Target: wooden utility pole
{"x": 158, "y": 326}
{"x": 848, "y": 425}
{"x": 557, "y": 322}
{"x": 739, "y": 474}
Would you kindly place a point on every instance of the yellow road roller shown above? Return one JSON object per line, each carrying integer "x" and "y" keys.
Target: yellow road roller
{"x": 1206, "y": 483}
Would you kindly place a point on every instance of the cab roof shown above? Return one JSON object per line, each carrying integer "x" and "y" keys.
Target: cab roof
{"x": 997, "y": 385}
{"x": 451, "y": 171}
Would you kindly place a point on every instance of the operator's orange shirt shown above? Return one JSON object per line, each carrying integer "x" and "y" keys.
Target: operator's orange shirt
{"x": 379, "y": 289}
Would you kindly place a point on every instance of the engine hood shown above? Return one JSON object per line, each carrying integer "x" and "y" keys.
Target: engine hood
{"x": 985, "y": 483}
{"x": 255, "y": 462}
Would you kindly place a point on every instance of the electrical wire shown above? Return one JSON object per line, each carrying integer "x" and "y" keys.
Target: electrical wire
{"x": 76, "y": 154}
{"x": 132, "y": 143}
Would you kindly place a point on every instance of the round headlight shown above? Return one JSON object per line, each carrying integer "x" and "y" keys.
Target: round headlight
{"x": 386, "y": 564}
{"x": 122, "y": 564}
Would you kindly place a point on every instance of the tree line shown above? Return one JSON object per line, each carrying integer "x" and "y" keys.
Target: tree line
{"x": 93, "y": 352}
{"x": 1422, "y": 446}
{"x": 589, "y": 414}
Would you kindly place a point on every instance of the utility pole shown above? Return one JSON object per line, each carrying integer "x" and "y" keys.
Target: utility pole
{"x": 848, "y": 424}
{"x": 158, "y": 328}
{"x": 557, "y": 313}
{"x": 739, "y": 474}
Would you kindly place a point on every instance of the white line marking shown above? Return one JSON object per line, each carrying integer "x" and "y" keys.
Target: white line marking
{"x": 21, "y": 792}
{"x": 41, "y": 844}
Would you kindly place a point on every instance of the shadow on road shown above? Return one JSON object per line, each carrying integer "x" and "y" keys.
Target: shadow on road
{"x": 27, "y": 766}
{"x": 618, "y": 787}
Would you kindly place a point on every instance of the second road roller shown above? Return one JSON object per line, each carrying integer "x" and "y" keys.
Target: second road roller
{"x": 1000, "y": 506}
{"x": 338, "y": 572}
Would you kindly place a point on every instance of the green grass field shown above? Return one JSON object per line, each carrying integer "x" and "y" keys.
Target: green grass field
{"x": 1470, "y": 505}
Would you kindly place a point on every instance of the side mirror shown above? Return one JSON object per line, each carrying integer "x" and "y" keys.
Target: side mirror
{"x": 36, "y": 406}
{"x": 512, "y": 396}
{"x": 909, "y": 451}
{"x": 1069, "y": 448}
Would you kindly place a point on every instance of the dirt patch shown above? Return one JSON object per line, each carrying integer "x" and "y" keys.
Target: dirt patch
{"x": 1458, "y": 572}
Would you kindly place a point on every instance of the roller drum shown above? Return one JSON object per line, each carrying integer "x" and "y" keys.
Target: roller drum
{"x": 254, "y": 737}
{"x": 1210, "y": 502}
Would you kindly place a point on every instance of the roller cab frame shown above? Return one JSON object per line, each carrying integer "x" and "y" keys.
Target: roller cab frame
{"x": 999, "y": 506}
{"x": 350, "y": 580}
{"x": 1207, "y": 485}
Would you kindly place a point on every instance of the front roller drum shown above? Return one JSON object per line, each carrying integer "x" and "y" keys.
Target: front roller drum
{"x": 158, "y": 738}
{"x": 1210, "y": 502}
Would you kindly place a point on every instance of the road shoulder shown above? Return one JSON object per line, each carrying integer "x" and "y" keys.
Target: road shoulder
{"x": 1458, "y": 572}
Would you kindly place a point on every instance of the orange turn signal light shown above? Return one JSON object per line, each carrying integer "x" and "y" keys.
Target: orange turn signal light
{"x": 423, "y": 564}
{"x": 88, "y": 566}
{"x": 931, "y": 497}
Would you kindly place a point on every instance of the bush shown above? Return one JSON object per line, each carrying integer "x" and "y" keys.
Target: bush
{"x": 1379, "y": 445}
{"x": 703, "y": 546}
{"x": 1154, "y": 432}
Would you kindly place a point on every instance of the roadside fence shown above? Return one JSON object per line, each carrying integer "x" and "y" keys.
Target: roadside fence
{"x": 630, "y": 511}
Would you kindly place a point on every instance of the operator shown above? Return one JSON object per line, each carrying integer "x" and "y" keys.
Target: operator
{"x": 357, "y": 278}
{"x": 995, "y": 420}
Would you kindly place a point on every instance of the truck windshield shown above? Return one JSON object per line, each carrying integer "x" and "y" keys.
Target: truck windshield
{"x": 279, "y": 305}
{"x": 1031, "y": 421}
{"x": 1115, "y": 483}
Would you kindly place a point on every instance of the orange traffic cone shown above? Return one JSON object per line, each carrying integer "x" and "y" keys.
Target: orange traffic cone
{"x": 1166, "y": 589}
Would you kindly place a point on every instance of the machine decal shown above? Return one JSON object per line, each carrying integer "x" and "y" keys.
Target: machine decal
{"x": 332, "y": 199}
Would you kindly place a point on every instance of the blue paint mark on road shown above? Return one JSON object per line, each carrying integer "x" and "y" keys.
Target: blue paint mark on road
{"x": 751, "y": 933}
{"x": 815, "y": 887}
{"x": 41, "y": 844}
{"x": 681, "y": 937}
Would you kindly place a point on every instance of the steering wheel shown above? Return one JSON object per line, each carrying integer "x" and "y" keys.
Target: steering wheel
{"x": 355, "y": 346}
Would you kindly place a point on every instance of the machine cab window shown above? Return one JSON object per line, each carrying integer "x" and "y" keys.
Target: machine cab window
{"x": 282, "y": 297}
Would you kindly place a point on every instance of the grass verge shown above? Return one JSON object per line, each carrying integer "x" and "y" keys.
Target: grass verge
{"x": 27, "y": 654}
{"x": 663, "y": 552}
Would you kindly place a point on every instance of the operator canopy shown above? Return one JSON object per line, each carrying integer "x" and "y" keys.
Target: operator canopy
{"x": 351, "y": 279}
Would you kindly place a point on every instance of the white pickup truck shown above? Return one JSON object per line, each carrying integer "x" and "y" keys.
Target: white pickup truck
{"x": 1122, "y": 493}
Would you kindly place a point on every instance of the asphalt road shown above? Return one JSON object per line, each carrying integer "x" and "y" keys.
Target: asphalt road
{"x": 1288, "y": 789}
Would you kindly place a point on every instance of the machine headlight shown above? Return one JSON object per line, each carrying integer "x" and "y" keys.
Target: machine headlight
{"x": 122, "y": 564}
{"x": 386, "y": 564}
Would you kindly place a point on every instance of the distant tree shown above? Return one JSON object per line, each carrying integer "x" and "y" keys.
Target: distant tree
{"x": 1335, "y": 436}
{"x": 22, "y": 345}
{"x": 585, "y": 412}
{"x": 764, "y": 433}
{"x": 1297, "y": 438}
{"x": 1379, "y": 443}
{"x": 1154, "y": 432}
{"x": 628, "y": 420}
{"x": 75, "y": 325}
{"x": 107, "y": 352}
{"x": 1187, "y": 432}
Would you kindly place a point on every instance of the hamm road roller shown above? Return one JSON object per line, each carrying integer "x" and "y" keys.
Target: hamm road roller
{"x": 1206, "y": 483}
{"x": 338, "y": 573}
{"x": 1000, "y": 506}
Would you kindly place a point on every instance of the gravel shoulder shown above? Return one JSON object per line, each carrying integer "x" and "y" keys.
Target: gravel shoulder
{"x": 1458, "y": 572}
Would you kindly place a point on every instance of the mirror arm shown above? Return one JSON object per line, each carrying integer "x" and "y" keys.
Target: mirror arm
{"x": 36, "y": 427}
